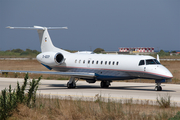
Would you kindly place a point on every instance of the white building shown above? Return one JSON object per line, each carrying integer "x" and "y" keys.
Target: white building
{"x": 137, "y": 49}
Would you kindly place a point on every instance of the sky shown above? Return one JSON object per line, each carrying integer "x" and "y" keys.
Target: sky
{"x": 107, "y": 24}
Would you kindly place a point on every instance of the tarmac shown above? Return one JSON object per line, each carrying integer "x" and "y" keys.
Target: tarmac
{"x": 118, "y": 91}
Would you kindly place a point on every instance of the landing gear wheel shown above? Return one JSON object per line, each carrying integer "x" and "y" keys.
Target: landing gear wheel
{"x": 71, "y": 85}
{"x": 105, "y": 84}
{"x": 102, "y": 84}
{"x": 158, "y": 88}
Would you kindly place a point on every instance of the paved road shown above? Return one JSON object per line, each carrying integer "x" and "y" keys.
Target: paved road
{"x": 117, "y": 90}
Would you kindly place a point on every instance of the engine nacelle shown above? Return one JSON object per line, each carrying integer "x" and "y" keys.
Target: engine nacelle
{"x": 50, "y": 58}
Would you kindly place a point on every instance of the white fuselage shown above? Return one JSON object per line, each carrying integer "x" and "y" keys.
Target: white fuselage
{"x": 110, "y": 67}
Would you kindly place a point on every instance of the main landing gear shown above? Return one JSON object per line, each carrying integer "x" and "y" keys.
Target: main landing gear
{"x": 71, "y": 83}
{"x": 105, "y": 84}
{"x": 158, "y": 87}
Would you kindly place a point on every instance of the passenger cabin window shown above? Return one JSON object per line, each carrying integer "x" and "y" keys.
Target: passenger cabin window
{"x": 83, "y": 61}
{"x": 109, "y": 62}
{"x": 105, "y": 62}
{"x": 93, "y": 62}
{"x": 113, "y": 62}
{"x": 75, "y": 61}
{"x": 88, "y": 61}
{"x": 96, "y": 62}
{"x": 117, "y": 63}
{"x": 101, "y": 62}
{"x": 79, "y": 61}
{"x": 141, "y": 62}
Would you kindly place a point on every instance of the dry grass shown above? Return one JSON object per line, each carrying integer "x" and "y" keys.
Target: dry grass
{"x": 31, "y": 65}
{"x": 174, "y": 67}
{"x": 65, "y": 109}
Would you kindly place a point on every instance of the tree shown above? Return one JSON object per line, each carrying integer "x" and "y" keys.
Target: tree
{"x": 163, "y": 53}
{"x": 98, "y": 50}
{"x": 17, "y": 50}
{"x": 173, "y": 52}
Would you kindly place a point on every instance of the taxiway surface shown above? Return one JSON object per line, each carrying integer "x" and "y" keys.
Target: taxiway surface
{"x": 117, "y": 90}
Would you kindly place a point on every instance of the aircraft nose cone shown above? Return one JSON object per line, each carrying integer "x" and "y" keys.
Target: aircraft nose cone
{"x": 167, "y": 73}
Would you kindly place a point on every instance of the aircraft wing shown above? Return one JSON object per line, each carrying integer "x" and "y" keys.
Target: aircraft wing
{"x": 74, "y": 74}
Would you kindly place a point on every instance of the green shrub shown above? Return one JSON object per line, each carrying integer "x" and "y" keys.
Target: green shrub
{"x": 163, "y": 53}
{"x": 32, "y": 92}
{"x": 9, "y": 100}
{"x": 176, "y": 117}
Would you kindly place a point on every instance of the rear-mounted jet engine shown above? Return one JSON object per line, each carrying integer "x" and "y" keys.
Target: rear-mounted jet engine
{"x": 50, "y": 58}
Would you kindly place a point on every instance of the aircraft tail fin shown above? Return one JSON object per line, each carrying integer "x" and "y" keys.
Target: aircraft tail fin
{"x": 45, "y": 40}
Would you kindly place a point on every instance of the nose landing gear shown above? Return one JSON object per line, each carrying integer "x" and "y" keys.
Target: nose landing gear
{"x": 158, "y": 87}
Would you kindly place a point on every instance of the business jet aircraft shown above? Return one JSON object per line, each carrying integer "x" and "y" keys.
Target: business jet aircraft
{"x": 95, "y": 67}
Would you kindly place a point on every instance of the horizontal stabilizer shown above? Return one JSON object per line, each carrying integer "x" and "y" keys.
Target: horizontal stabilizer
{"x": 37, "y": 28}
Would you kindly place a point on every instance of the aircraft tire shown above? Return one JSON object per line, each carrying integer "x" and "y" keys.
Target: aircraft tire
{"x": 158, "y": 88}
{"x": 71, "y": 85}
{"x": 68, "y": 85}
{"x": 104, "y": 84}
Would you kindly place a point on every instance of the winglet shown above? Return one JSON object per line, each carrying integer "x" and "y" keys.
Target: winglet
{"x": 158, "y": 58}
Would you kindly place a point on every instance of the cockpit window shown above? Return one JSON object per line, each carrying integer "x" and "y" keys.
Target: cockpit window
{"x": 157, "y": 62}
{"x": 141, "y": 62}
{"x": 152, "y": 61}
